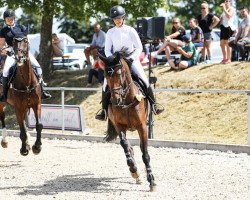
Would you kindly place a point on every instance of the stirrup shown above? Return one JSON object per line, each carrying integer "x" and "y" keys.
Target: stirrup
{"x": 101, "y": 115}
{"x": 157, "y": 108}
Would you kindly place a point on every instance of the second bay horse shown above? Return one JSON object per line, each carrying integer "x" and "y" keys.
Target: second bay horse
{"x": 128, "y": 111}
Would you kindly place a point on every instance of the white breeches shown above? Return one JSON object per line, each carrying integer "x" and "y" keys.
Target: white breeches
{"x": 136, "y": 69}
{"x": 10, "y": 61}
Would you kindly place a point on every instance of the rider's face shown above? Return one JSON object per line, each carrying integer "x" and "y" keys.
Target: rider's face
{"x": 118, "y": 21}
{"x": 10, "y": 21}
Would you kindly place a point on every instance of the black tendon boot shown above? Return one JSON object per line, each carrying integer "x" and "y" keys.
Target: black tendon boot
{"x": 45, "y": 94}
{"x": 103, "y": 113}
{"x": 3, "y": 98}
{"x": 157, "y": 108}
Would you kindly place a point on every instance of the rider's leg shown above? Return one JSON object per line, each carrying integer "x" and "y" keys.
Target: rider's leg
{"x": 9, "y": 62}
{"x": 137, "y": 69}
{"x": 103, "y": 113}
{"x": 34, "y": 63}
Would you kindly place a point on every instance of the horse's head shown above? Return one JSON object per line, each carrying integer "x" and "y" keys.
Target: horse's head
{"x": 21, "y": 49}
{"x": 117, "y": 77}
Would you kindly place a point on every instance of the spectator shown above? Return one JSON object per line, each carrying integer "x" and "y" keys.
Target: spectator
{"x": 97, "y": 71}
{"x": 227, "y": 29}
{"x": 207, "y": 21}
{"x": 243, "y": 35}
{"x": 172, "y": 41}
{"x": 196, "y": 33}
{"x": 188, "y": 54}
{"x": 57, "y": 49}
{"x": 98, "y": 42}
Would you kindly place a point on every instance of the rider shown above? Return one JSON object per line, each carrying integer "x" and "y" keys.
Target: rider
{"x": 125, "y": 37}
{"x": 7, "y": 33}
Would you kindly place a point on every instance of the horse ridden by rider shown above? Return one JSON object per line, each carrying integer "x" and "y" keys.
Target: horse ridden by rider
{"x": 7, "y": 34}
{"x": 119, "y": 38}
{"x": 122, "y": 102}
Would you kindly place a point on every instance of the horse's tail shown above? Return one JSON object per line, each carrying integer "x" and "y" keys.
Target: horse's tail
{"x": 111, "y": 132}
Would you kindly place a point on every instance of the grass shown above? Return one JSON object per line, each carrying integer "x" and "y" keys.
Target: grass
{"x": 200, "y": 117}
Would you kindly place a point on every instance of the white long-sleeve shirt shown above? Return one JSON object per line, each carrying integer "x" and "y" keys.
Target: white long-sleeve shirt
{"x": 118, "y": 38}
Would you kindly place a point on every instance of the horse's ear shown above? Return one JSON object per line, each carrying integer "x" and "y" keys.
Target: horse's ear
{"x": 117, "y": 56}
{"x": 103, "y": 58}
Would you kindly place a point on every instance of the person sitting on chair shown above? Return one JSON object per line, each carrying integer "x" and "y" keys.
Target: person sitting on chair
{"x": 172, "y": 41}
{"x": 119, "y": 38}
{"x": 7, "y": 33}
{"x": 57, "y": 49}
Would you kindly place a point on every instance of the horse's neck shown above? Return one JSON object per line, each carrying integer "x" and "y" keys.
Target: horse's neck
{"x": 24, "y": 75}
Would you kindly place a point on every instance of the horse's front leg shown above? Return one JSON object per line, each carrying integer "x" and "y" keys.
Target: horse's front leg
{"x": 145, "y": 156}
{"x": 129, "y": 152}
{"x": 23, "y": 133}
{"x": 37, "y": 147}
{"x": 4, "y": 141}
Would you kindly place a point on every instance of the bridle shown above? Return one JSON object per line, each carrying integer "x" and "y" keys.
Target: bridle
{"x": 123, "y": 89}
{"x": 21, "y": 56}
{"x": 17, "y": 47}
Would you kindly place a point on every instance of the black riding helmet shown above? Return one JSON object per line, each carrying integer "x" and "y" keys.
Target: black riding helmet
{"x": 117, "y": 12}
{"x": 8, "y": 13}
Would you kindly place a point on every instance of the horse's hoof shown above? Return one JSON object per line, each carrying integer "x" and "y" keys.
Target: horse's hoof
{"x": 135, "y": 175}
{"x": 152, "y": 188}
{"x": 36, "y": 149}
{"x": 138, "y": 181}
{"x": 4, "y": 144}
{"x": 24, "y": 152}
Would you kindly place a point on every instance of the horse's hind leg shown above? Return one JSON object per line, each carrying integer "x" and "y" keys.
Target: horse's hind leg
{"x": 23, "y": 133}
{"x": 145, "y": 156}
{"x": 37, "y": 147}
{"x": 4, "y": 141}
{"x": 128, "y": 150}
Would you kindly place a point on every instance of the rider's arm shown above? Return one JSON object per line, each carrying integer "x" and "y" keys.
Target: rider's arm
{"x": 108, "y": 45}
{"x": 137, "y": 44}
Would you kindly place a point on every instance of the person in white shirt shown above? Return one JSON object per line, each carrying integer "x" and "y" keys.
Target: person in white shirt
{"x": 227, "y": 29}
{"x": 122, "y": 37}
{"x": 97, "y": 44}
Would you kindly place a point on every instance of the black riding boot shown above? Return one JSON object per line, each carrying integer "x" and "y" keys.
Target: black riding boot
{"x": 103, "y": 113}
{"x": 4, "y": 96}
{"x": 157, "y": 108}
{"x": 45, "y": 94}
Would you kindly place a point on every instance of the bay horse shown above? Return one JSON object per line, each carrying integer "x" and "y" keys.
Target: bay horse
{"x": 24, "y": 94}
{"x": 128, "y": 111}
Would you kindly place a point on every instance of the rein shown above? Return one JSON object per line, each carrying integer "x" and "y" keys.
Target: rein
{"x": 24, "y": 58}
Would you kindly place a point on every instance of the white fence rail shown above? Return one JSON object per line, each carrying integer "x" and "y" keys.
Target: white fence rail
{"x": 247, "y": 92}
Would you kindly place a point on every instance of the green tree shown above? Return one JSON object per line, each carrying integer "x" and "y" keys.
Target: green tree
{"x": 74, "y": 9}
{"x": 31, "y": 21}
